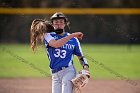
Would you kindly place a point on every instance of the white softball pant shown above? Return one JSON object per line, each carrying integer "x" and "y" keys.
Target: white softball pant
{"x": 61, "y": 81}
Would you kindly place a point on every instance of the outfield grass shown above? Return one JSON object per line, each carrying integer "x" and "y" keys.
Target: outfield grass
{"x": 17, "y": 60}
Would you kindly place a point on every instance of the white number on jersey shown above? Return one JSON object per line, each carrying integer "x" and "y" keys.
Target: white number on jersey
{"x": 60, "y": 53}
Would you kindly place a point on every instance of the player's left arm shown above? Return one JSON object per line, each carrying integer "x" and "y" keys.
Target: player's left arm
{"x": 78, "y": 52}
{"x": 83, "y": 62}
{"x": 82, "y": 78}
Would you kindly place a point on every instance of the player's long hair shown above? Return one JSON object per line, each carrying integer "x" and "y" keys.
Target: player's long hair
{"x": 38, "y": 28}
{"x": 36, "y": 35}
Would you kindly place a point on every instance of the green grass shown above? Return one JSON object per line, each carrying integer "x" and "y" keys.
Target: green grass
{"x": 121, "y": 59}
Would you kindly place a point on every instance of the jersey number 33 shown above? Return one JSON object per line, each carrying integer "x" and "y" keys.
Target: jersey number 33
{"x": 60, "y": 53}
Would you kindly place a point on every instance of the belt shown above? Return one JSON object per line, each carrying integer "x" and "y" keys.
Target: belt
{"x": 58, "y": 69}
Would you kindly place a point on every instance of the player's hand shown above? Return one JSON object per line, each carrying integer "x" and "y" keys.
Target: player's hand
{"x": 79, "y": 35}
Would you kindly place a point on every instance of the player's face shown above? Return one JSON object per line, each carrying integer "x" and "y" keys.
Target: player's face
{"x": 58, "y": 23}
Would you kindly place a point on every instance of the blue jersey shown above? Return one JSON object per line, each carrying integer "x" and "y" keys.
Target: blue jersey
{"x": 63, "y": 56}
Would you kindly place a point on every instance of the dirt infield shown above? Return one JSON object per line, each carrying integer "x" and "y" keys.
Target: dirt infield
{"x": 43, "y": 85}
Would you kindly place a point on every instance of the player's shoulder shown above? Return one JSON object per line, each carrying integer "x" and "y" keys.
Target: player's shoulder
{"x": 76, "y": 39}
{"x": 50, "y": 34}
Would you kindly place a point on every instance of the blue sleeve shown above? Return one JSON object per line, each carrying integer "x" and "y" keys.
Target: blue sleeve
{"x": 77, "y": 49}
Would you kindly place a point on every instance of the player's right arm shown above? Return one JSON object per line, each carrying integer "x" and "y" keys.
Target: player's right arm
{"x": 58, "y": 43}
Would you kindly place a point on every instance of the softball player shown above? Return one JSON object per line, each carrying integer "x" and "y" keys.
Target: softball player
{"x": 61, "y": 58}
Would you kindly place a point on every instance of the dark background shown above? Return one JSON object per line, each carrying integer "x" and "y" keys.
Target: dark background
{"x": 114, "y": 29}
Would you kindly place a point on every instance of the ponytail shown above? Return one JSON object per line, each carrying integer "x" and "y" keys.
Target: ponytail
{"x": 37, "y": 30}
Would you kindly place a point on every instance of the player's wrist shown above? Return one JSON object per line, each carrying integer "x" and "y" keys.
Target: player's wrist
{"x": 73, "y": 35}
{"x": 86, "y": 67}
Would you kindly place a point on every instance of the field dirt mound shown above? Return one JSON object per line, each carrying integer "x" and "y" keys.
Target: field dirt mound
{"x": 43, "y": 85}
